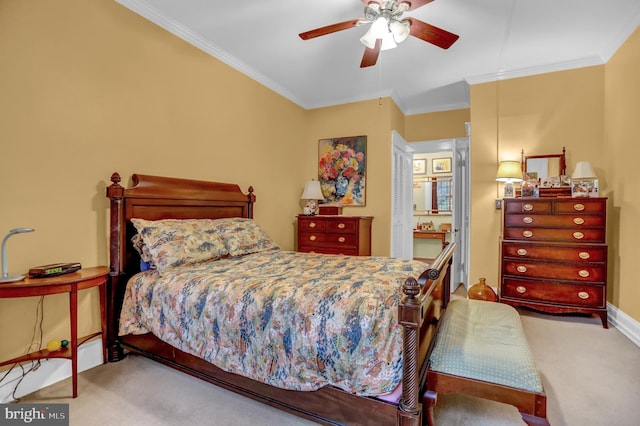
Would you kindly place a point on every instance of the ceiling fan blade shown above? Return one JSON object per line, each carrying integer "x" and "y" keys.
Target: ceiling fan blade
{"x": 431, "y": 34}
{"x": 413, "y": 4}
{"x": 329, "y": 29}
{"x": 370, "y": 56}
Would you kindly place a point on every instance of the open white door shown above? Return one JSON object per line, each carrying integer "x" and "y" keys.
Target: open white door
{"x": 401, "y": 198}
{"x": 461, "y": 181}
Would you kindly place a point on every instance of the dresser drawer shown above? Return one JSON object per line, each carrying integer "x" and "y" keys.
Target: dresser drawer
{"x": 570, "y": 253}
{"x": 342, "y": 226}
{"x": 528, "y": 206}
{"x": 584, "y": 235}
{"x": 577, "y": 294}
{"x": 309, "y": 223}
{"x": 327, "y": 238}
{"x": 581, "y": 205}
{"x": 587, "y": 272}
{"x": 347, "y": 251}
{"x": 554, "y": 221}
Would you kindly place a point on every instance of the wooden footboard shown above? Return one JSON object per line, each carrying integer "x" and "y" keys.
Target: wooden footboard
{"x": 156, "y": 198}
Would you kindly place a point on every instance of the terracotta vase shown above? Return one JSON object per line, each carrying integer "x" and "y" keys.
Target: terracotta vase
{"x": 482, "y": 291}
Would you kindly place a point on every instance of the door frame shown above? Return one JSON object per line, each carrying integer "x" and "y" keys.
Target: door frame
{"x": 460, "y": 147}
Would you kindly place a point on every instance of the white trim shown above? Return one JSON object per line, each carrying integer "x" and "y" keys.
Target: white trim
{"x": 624, "y": 323}
{"x": 526, "y": 72}
{"x": 50, "y": 371}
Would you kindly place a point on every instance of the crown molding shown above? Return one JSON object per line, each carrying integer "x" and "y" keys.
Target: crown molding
{"x": 526, "y": 72}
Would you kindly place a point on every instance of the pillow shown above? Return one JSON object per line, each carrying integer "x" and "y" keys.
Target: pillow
{"x": 146, "y": 261}
{"x": 178, "y": 242}
{"x": 243, "y": 236}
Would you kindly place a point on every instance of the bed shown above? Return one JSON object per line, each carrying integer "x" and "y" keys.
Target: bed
{"x": 351, "y": 348}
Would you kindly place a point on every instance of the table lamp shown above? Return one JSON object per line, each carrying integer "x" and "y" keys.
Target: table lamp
{"x": 6, "y": 278}
{"x": 509, "y": 172}
{"x": 312, "y": 193}
{"x": 584, "y": 182}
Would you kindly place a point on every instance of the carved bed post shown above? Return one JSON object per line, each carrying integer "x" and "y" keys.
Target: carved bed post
{"x": 115, "y": 192}
{"x": 409, "y": 316}
{"x": 250, "y": 200}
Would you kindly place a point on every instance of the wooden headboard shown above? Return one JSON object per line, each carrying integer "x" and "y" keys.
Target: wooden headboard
{"x": 155, "y": 198}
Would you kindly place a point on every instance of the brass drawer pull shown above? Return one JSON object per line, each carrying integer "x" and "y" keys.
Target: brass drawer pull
{"x": 583, "y": 295}
{"x": 578, "y": 235}
{"x": 584, "y": 255}
{"x": 578, "y": 220}
{"x": 312, "y": 238}
{"x": 527, "y": 207}
{"x": 527, "y": 219}
{"x": 578, "y": 207}
{"x": 312, "y": 224}
{"x": 522, "y": 252}
{"x": 341, "y": 239}
{"x": 341, "y": 225}
{"x": 527, "y": 234}
{"x": 583, "y": 273}
{"x": 521, "y": 289}
{"x": 521, "y": 269}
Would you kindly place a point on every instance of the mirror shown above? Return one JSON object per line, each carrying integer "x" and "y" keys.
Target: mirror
{"x": 550, "y": 171}
{"x": 432, "y": 195}
{"x": 542, "y": 166}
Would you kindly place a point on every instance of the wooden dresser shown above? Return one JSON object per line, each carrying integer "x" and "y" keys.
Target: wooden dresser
{"x": 554, "y": 255}
{"x": 348, "y": 235}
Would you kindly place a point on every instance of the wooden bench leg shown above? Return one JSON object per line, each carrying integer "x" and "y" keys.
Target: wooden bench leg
{"x": 429, "y": 400}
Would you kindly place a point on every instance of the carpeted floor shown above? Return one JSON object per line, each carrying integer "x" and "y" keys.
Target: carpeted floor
{"x": 590, "y": 376}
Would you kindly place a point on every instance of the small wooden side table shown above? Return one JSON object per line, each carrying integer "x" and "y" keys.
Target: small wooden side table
{"x": 432, "y": 235}
{"x": 68, "y": 283}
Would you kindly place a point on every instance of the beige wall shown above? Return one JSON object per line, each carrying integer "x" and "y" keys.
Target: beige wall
{"x": 376, "y": 119}
{"x": 539, "y": 114}
{"x": 619, "y": 163}
{"x": 437, "y": 125}
{"x": 89, "y": 88}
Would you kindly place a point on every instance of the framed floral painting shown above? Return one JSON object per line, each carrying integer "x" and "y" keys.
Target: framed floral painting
{"x": 342, "y": 170}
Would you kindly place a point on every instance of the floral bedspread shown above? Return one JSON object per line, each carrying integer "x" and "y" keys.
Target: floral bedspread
{"x": 293, "y": 320}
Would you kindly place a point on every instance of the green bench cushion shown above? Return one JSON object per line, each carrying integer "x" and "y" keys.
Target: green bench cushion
{"x": 485, "y": 341}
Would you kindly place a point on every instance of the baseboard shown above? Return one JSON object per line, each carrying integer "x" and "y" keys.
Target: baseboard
{"x": 624, "y": 323}
{"x": 50, "y": 371}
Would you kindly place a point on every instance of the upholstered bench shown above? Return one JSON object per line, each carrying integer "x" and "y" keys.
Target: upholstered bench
{"x": 481, "y": 350}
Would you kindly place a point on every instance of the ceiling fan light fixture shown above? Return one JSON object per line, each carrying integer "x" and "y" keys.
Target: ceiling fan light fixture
{"x": 400, "y": 30}
{"x": 388, "y": 42}
{"x": 368, "y": 39}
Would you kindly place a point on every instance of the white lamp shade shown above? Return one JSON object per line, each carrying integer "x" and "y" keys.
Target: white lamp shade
{"x": 509, "y": 171}
{"x": 400, "y": 30}
{"x": 583, "y": 170}
{"x": 312, "y": 191}
{"x": 369, "y": 39}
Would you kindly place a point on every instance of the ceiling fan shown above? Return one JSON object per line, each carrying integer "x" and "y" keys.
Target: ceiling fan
{"x": 388, "y": 28}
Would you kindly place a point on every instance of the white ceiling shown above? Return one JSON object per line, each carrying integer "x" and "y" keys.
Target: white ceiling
{"x": 498, "y": 39}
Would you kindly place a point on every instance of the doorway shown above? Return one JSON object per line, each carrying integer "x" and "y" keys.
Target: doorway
{"x": 403, "y": 203}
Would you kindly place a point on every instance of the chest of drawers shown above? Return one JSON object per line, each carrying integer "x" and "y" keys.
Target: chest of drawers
{"x": 554, "y": 255}
{"x": 348, "y": 235}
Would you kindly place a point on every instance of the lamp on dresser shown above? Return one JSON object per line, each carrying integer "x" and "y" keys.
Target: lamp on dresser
{"x": 584, "y": 182}
{"x": 509, "y": 172}
{"x": 312, "y": 193}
